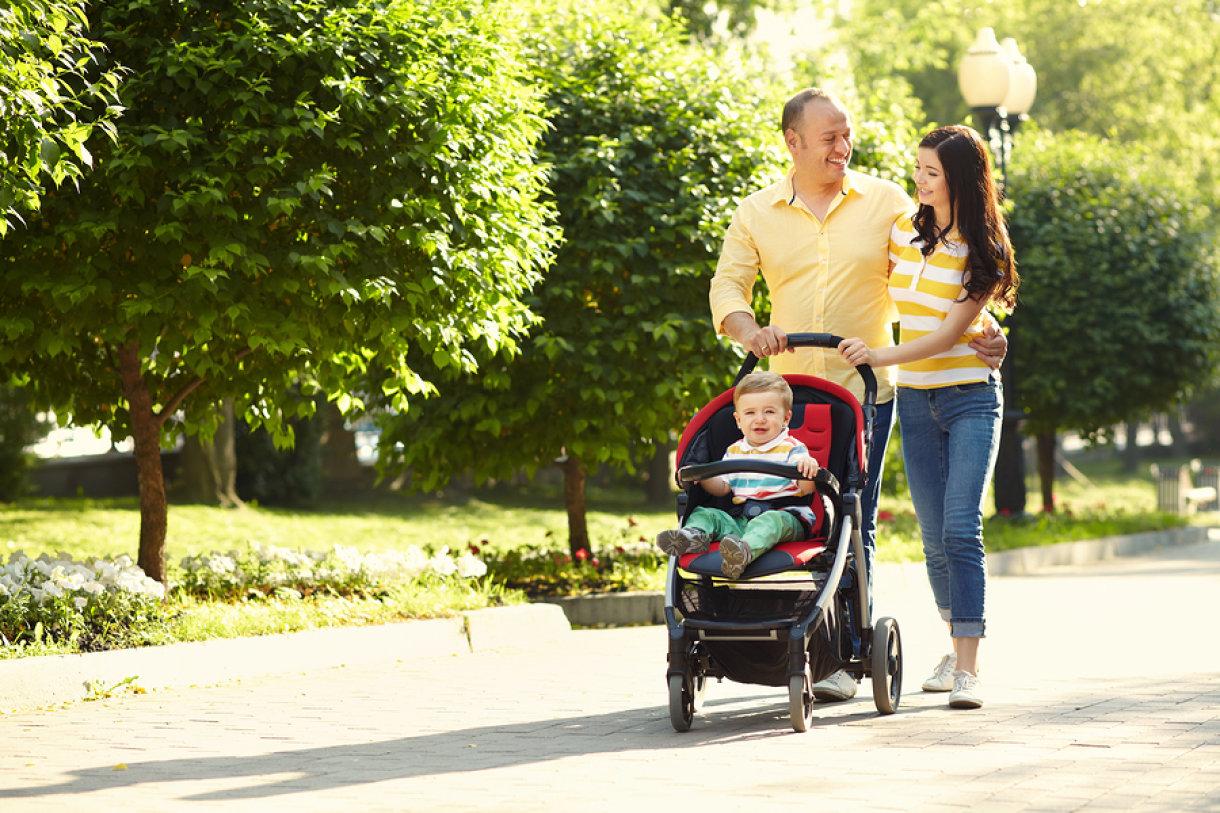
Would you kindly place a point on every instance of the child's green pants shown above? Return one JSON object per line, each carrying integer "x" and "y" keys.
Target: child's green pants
{"x": 761, "y": 534}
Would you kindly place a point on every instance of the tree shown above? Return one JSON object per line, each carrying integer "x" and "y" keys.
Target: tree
{"x": 1102, "y": 68}
{"x": 651, "y": 142}
{"x": 53, "y": 97}
{"x": 1119, "y": 300}
{"x": 302, "y": 191}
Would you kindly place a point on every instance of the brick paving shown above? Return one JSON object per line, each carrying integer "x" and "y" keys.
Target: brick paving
{"x": 1102, "y": 687}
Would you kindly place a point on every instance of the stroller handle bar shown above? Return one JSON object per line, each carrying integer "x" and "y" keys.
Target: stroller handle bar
{"x": 689, "y": 474}
{"x": 827, "y": 340}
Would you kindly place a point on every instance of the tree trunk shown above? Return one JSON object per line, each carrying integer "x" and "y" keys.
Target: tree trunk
{"x": 209, "y": 469}
{"x": 1009, "y": 479}
{"x": 1046, "y": 469}
{"x": 657, "y": 487}
{"x": 341, "y": 469}
{"x": 1131, "y": 454}
{"x": 146, "y": 432}
{"x": 1178, "y": 442}
{"x": 574, "y": 501}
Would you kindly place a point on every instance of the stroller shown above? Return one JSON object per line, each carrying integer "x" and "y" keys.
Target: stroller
{"x": 799, "y": 612}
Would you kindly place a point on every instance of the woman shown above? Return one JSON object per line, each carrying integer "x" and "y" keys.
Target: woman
{"x": 947, "y": 261}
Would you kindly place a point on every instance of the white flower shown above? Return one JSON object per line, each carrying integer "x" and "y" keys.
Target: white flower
{"x": 52, "y": 589}
{"x": 80, "y": 602}
{"x": 442, "y": 563}
{"x": 470, "y": 566}
{"x": 414, "y": 561}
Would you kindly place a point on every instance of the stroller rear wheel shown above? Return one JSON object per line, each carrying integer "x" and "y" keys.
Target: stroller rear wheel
{"x": 800, "y": 702}
{"x": 887, "y": 665}
{"x": 681, "y": 703}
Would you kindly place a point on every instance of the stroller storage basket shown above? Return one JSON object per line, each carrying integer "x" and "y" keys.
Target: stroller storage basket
{"x": 719, "y": 602}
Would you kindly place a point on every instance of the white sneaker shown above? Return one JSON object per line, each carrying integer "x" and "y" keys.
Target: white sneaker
{"x": 839, "y": 686}
{"x": 965, "y": 694}
{"x": 941, "y": 679}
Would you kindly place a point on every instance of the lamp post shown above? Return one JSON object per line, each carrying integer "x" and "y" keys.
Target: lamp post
{"x": 999, "y": 84}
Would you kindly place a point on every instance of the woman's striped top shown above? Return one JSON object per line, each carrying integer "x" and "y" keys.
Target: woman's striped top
{"x": 923, "y": 290}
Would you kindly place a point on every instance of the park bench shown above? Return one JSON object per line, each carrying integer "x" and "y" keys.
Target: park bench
{"x": 1177, "y": 492}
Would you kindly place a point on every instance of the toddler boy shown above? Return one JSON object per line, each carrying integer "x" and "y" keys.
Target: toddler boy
{"x": 762, "y": 408}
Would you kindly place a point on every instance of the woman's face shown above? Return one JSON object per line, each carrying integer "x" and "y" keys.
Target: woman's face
{"x": 930, "y": 183}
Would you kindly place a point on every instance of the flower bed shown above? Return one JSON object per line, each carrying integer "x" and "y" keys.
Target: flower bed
{"x": 543, "y": 570}
{"x": 57, "y": 604}
{"x": 99, "y": 604}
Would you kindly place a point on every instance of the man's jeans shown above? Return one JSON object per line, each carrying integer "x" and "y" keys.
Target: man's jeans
{"x": 882, "y": 428}
{"x": 950, "y": 437}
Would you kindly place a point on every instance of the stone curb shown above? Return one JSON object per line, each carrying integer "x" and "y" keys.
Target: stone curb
{"x": 42, "y": 681}
{"x": 628, "y": 609}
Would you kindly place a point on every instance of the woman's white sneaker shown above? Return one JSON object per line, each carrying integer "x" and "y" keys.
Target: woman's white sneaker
{"x": 941, "y": 679}
{"x": 965, "y": 694}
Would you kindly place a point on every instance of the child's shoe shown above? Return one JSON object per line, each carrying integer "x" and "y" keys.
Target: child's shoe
{"x": 735, "y": 556}
{"x": 678, "y": 541}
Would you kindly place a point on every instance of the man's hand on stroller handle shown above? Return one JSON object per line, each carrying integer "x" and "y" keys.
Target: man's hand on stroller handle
{"x": 768, "y": 341}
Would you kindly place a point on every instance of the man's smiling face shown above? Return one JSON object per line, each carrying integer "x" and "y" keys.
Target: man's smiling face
{"x": 821, "y": 141}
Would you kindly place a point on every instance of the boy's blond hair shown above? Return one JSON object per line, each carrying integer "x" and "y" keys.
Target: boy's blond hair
{"x": 764, "y": 382}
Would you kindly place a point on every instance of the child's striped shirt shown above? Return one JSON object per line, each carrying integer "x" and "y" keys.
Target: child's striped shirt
{"x": 783, "y": 448}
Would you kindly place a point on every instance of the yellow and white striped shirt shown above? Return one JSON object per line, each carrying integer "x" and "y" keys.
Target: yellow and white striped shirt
{"x": 924, "y": 289}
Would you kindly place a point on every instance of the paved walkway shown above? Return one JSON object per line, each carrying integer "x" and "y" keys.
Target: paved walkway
{"x": 1103, "y": 689}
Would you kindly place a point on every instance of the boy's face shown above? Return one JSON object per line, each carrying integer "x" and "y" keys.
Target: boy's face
{"x": 761, "y": 416}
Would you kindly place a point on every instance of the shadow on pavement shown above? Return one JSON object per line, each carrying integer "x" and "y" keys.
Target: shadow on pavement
{"x": 471, "y": 749}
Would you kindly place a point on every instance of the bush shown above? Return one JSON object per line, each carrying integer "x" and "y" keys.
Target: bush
{"x": 101, "y": 604}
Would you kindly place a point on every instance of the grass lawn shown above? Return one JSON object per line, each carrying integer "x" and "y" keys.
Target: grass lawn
{"x": 1113, "y": 504}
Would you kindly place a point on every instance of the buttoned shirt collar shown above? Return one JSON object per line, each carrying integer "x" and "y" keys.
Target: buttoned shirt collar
{"x": 786, "y": 191}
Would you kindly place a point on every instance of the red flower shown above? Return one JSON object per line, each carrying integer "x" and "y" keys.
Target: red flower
{"x": 619, "y": 549}
{"x": 1005, "y": 512}
{"x": 473, "y": 548}
{"x": 885, "y": 516}
{"x": 582, "y": 554}
{"x": 595, "y": 562}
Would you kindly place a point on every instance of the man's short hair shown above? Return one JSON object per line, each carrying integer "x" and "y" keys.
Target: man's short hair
{"x": 796, "y": 105}
{"x": 764, "y": 382}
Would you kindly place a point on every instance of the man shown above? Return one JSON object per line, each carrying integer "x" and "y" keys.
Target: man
{"x": 820, "y": 237}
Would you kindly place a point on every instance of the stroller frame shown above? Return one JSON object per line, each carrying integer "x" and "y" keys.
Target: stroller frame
{"x": 809, "y": 628}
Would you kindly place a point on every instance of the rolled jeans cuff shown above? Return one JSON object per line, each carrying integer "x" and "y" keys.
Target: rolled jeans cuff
{"x": 946, "y": 614}
{"x": 967, "y": 628}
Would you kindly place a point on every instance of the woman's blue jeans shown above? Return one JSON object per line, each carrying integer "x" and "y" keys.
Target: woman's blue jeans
{"x": 950, "y": 436}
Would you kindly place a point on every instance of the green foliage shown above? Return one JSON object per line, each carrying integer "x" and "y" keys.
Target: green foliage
{"x": 53, "y": 97}
{"x": 1129, "y": 70}
{"x": 301, "y": 190}
{"x": 19, "y": 427}
{"x": 1119, "y": 310}
{"x": 652, "y": 143}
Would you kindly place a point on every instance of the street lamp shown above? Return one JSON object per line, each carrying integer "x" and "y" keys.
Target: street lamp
{"x": 999, "y": 84}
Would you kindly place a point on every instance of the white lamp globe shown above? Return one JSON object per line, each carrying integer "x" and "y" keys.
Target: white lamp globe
{"x": 983, "y": 74}
{"x": 1023, "y": 80}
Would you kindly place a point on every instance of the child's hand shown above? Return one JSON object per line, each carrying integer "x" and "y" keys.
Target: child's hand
{"x": 856, "y": 352}
{"x": 806, "y": 466}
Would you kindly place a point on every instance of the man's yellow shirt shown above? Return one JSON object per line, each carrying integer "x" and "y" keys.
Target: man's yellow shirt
{"x": 823, "y": 276}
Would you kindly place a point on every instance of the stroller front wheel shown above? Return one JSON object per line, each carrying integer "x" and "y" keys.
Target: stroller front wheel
{"x": 681, "y": 703}
{"x": 800, "y": 703}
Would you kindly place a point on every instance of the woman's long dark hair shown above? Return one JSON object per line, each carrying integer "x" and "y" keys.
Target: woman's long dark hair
{"x": 975, "y": 211}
